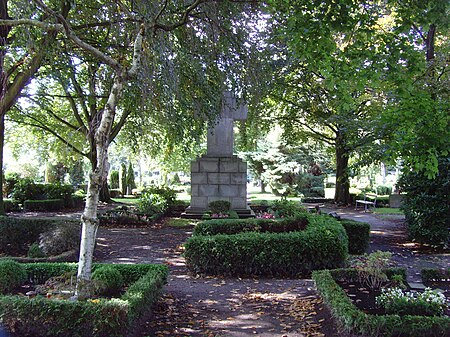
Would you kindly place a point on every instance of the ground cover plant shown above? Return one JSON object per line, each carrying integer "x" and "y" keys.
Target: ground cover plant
{"x": 46, "y": 236}
{"x": 132, "y": 290}
{"x": 366, "y": 309}
{"x": 287, "y": 248}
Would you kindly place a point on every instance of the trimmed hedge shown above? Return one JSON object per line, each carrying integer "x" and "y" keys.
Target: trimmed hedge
{"x": 357, "y": 322}
{"x": 235, "y": 226}
{"x": 322, "y": 244}
{"x": 358, "y": 235}
{"x": 435, "y": 275}
{"x": 43, "y": 205}
{"x": 49, "y": 317}
{"x": 17, "y": 234}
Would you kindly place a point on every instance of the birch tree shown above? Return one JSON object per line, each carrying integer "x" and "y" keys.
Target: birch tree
{"x": 141, "y": 28}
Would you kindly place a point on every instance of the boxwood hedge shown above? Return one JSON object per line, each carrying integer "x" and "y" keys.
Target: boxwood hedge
{"x": 322, "y": 244}
{"x": 358, "y": 235}
{"x": 104, "y": 317}
{"x": 357, "y": 322}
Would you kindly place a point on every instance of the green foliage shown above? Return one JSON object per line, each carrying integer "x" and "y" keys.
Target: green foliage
{"x": 10, "y": 181}
{"x": 176, "y": 179}
{"x": 26, "y": 189}
{"x": 383, "y": 190}
{"x": 371, "y": 269}
{"x": 435, "y": 275}
{"x": 48, "y": 317}
{"x": 357, "y": 322}
{"x": 425, "y": 204}
{"x": 35, "y": 251}
{"x": 123, "y": 178}
{"x": 43, "y": 205}
{"x": 219, "y": 206}
{"x": 130, "y": 178}
{"x": 11, "y": 206}
{"x": 17, "y": 234}
{"x": 286, "y": 208}
{"x": 12, "y": 274}
{"x": 358, "y": 235}
{"x": 108, "y": 281}
{"x": 427, "y": 303}
{"x": 156, "y": 200}
{"x": 229, "y": 226}
{"x": 323, "y": 244}
{"x": 114, "y": 179}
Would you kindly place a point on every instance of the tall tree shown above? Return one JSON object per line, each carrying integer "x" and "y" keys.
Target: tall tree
{"x": 27, "y": 52}
{"x": 143, "y": 28}
{"x": 329, "y": 69}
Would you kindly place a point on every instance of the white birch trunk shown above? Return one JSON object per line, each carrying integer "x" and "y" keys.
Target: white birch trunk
{"x": 89, "y": 217}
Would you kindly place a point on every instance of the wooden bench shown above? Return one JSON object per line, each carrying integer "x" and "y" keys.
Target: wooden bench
{"x": 368, "y": 202}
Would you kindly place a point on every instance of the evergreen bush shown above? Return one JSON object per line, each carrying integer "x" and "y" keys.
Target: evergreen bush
{"x": 108, "y": 281}
{"x": 12, "y": 275}
{"x": 426, "y": 204}
{"x": 358, "y": 235}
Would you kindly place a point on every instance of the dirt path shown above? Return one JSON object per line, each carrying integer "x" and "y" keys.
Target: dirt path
{"x": 389, "y": 233}
{"x": 215, "y": 306}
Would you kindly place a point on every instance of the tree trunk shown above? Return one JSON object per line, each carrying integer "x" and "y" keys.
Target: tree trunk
{"x": 2, "y": 141}
{"x": 105, "y": 196}
{"x": 263, "y": 186}
{"x": 342, "y": 195}
{"x": 96, "y": 179}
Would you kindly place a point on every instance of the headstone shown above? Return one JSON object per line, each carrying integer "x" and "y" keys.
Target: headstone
{"x": 220, "y": 175}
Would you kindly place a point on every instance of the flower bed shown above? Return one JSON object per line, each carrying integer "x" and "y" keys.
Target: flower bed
{"x": 42, "y": 316}
{"x": 356, "y": 321}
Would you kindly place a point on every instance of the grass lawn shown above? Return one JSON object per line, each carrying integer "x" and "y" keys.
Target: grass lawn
{"x": 131, "y": 201}
{"x": 387, "y": 211}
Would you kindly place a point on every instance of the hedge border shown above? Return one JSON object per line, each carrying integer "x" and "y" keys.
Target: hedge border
{"x": 322, "y": 244}
{"x": 358, "y": 235}
{"x": 355, "y": 321}
{"x": 47, "y": 205}
{"x": 113, "y": 317}
{"x": 435, "y": 275}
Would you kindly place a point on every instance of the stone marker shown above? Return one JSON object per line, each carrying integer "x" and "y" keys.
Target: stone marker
{"x": 220, "y": 175}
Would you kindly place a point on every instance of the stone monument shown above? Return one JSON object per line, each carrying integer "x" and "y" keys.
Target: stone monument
{"x": 220, "y": 175}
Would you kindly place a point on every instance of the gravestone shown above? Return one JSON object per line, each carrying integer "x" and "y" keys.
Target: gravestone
{"x": 220, "y": 175}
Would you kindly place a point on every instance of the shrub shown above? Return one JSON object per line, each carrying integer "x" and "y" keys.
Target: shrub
{"x": 323, "y": 244}
{"x": 114, "y": 178}
{"x": 156, "y": 200}
{"x": 358, "y": 235}
{"x": 35, "y": 251}
{"x": 435, "y": 275}
{"x": 108, "y": 281}
{"x": 17, "y": 234}
{"x": 11, "y": 179}
{"x": 371, "y": 269}
{"x": 43, "y": 205}
{"x": 59, "y": 191}
{"x": 219, "y": 206}
{"x": 383, "y": 190}
{"x": 11, "y": 206}
{"x": 12, "y": 274}
{"x": 286, "y": 208}
{"x": 60, "y": 239}
{"x": 428, "y": 303}
{"x": 26, "y": 189}
{"x": 426, "y": 205}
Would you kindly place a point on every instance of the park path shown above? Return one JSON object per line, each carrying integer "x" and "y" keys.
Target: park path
{"x": 389, "y": 233}
{"x": 235, "y": 307}
{"x": 215, "y": 306}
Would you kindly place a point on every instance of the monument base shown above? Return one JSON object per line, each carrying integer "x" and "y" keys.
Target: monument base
{"x": 215, "y": 178}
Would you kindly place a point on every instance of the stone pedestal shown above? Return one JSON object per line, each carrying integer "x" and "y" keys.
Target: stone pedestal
{"x": 218, "y": 178}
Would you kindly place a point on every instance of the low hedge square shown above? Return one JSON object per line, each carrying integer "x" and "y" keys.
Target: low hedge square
{"x": 41, "y": 316}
